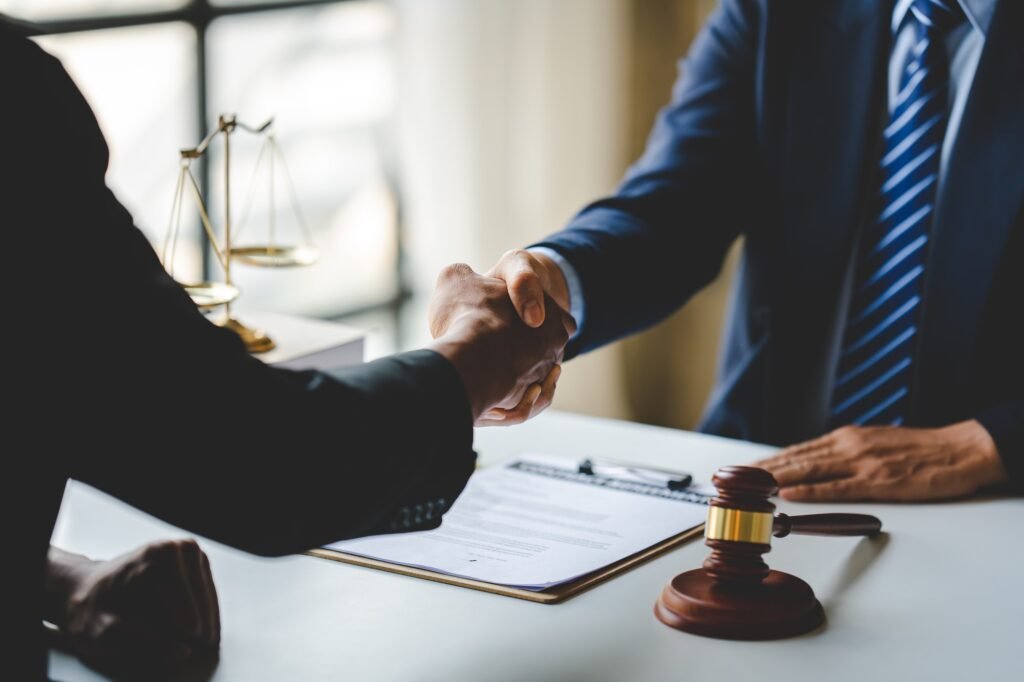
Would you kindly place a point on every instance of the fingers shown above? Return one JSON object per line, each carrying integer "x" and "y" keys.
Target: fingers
{"x": 525, "y": 287}
{"x": 123, "y": 644}
{"x": 516, "y": 415}
{"x": 196, "y": 573}
{"x": 174, "y": 594}
{"x": 811, "y": 448}
{"x": 537, "y": 399}
{"x": 841, "y": 490}
{"x": 568, "y": 323}
{"x": 809, "y": 471}
{"x": 188, "y": 610}
{"x": 213, "y": 602}
{"x": 547, "y": 393}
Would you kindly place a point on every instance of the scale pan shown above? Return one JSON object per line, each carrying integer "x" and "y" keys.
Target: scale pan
{"x": 275, "y": 256}
{"x": 211, "y": 294}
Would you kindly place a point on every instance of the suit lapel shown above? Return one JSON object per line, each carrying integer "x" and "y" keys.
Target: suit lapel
{"x": 982, "y": 195}
{"x": 835, "y": 112}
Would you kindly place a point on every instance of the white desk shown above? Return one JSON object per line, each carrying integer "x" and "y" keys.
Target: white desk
{"x": 940, "y": 598}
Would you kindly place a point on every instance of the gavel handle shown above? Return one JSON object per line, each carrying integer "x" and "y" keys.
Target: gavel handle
{"x": 826, "y": 524}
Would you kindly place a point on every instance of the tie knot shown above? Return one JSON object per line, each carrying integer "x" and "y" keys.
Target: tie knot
{"x": 938, "y": 15}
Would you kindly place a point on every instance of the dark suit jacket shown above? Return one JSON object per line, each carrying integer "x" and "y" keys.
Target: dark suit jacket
{"x": 117, "y": 380}
{"x": 773, "y": 134}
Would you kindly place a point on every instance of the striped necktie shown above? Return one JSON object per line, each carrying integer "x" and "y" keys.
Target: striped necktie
{"x": 873, "y": 377}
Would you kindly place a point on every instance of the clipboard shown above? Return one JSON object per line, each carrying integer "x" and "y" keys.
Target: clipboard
{"x": 551, "y": 595}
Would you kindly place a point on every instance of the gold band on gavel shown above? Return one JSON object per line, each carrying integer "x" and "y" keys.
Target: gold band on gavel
{"x": 737, "y": 525}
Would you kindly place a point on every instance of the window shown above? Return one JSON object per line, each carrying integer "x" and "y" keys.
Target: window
{"x": 158, "y": 72}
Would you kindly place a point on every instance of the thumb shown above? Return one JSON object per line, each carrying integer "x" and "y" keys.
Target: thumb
{"x": 524, "y": 287}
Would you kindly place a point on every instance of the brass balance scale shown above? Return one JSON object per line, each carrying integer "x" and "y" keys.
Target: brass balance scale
{"x": 209, "y": 295}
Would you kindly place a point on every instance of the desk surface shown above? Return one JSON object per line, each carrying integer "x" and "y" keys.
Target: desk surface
{"x": 938, "y": 598}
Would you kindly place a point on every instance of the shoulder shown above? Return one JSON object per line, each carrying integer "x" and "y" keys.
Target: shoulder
{"x": 42, "y": 102}
{"x": 14, "y": 40}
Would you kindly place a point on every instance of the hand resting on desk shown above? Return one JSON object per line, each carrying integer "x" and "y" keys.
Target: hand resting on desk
{"x": 888, "y": 463}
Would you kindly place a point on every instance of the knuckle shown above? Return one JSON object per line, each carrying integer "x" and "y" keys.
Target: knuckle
{"x": 516, "y": 255}
{"x": 849, "y": 437}
{"x": 158, "y": 551}
{"x": 106, "y": 630}
{"x": 454, "y": 271}
{"x": 188, "y": 547}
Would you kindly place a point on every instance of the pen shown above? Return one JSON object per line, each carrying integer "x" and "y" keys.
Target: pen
{"x": 673, "y": 480}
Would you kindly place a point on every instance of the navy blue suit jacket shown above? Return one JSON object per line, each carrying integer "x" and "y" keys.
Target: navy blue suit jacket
{"x": 773, "y": 134}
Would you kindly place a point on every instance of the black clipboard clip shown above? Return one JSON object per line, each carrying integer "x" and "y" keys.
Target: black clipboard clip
{"x": 672, "y": 480}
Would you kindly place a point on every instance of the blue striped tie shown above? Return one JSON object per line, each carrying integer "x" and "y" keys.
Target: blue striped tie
{"x": 872, "y": 382}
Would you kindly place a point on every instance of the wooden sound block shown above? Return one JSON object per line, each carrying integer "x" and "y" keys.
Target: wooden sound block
{"x": 779, "y": 606}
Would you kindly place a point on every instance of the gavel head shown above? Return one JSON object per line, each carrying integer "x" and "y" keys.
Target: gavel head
{"x": 739, "y": 527}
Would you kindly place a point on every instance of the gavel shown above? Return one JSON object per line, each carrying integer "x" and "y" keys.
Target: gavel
{"x": 735, "y": 595}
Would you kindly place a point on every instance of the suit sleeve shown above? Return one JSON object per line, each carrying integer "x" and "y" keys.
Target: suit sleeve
{"x": 1005, "y": 423}
{"x": 642, "y": 252}
{"x": 149, "y": 401}
{"x": 997, "y": 364}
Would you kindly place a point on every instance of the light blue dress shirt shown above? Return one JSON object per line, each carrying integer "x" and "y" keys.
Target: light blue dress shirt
{"x": 964, "y": 45}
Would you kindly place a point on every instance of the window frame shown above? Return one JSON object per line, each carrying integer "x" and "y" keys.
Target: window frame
{"x": 199, "y": 15}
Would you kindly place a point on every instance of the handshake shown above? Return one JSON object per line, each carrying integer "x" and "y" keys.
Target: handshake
{"x": 505, "y": 332}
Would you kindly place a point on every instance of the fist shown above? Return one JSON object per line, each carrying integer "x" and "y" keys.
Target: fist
{"x": 154, "y": 608}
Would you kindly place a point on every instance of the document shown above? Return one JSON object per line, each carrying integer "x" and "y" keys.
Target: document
{"x": 537, "y": 522}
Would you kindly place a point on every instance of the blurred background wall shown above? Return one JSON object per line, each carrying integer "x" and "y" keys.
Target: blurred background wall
{"x": 418, "y": 133}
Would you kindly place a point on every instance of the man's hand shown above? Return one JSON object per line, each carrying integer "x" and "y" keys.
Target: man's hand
{"x": 537, "y": 289}
{"x": 152, "y": 609}
{"x": 501, "y": 360}
{"x": 889, "y": 463}
{"x": 529, "y": 276}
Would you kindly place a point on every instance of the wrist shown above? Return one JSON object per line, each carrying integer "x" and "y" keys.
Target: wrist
{"x": 65, "y": 572}
{"x": 553, "y": 279}
{"x": 975, "y": 439}
{"x": 464, "y": 351}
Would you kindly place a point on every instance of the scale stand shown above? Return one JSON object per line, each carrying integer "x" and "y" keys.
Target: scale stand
{"x": 209, "y": 295}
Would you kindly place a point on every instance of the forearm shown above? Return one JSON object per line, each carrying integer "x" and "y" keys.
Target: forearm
{"x": 299, "y": 460}
{"x": 642, "y": 252}
{"x": 981, "y": 453}
{"x": 634, "y": 268}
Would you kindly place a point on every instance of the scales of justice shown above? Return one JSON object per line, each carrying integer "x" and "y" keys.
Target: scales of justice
{"x": 212, "y": 294}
